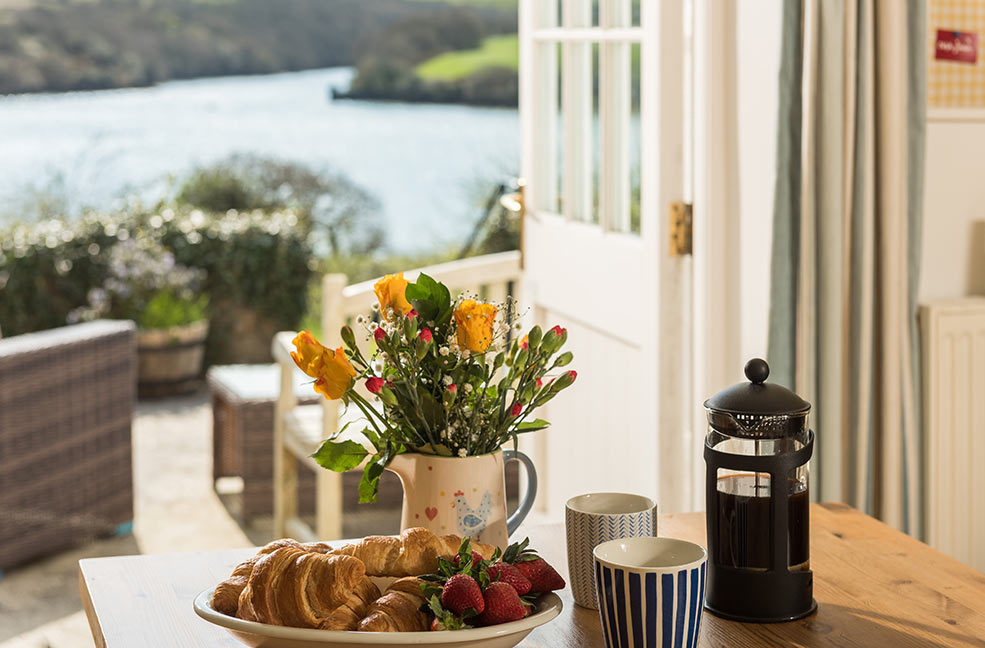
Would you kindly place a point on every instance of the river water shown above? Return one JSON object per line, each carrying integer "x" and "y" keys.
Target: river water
{"x": 429, "y": 165}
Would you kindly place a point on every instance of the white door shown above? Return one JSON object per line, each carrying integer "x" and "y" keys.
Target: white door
{"x": 601, "y": 174}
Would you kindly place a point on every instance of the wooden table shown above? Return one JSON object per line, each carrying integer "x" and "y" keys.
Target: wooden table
{"x": 875, "y": 588}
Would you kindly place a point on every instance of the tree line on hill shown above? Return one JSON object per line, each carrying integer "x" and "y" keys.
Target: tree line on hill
{"x": 123, "y": 43}
{"x": 386, "y": 65}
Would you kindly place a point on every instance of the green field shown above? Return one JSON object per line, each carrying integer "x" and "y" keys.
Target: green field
{"x": 496, "y": 51}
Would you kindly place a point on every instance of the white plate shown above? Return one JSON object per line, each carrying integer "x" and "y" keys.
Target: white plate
{"x": 262, "y": 635}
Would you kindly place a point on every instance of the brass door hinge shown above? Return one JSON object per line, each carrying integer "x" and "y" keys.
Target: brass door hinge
{"x": 680, "y": 228}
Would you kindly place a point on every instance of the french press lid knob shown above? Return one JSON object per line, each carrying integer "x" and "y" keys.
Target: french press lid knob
{"x": 757, "y": 397}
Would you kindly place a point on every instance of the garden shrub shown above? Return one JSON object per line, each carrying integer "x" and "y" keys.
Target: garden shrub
{"x": 258, "y": 267}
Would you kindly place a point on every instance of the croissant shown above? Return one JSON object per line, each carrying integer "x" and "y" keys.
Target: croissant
{"x": 302, "y": 589}
{"x": 225, "y": 597}
{"x": 398, "y": 610}
{"x": 415, "y": 552}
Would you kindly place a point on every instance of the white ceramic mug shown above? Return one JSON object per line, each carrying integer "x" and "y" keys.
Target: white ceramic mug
{"x": 594, "y": 518}
{"x": 650, "y": 591}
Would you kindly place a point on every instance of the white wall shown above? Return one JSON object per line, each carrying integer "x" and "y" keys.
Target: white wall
{"x": 758, "y": 68}
{"x": 953, "y": 259}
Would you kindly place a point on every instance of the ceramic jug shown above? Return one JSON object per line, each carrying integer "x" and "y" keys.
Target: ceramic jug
{"x": 462, "y": 495}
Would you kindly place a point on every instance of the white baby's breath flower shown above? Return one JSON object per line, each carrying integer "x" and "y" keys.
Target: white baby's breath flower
{"x": 462, "y": 452}
{"x": 360, "y": 319}
{"x": 468, "y": 388}
{"x": 447, "y": 380}
{"x": 444, "y": 350}
{"x": 373, "y": 326}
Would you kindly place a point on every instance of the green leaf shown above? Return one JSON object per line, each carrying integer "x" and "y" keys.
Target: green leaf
{"x": 339, "y": 432}
{"x": 369, "y": 484}
{"x": 339, "y": 456}
{"x": 430, "y": 299}
{"x": 435, "y": 606}
{"x": 370, "y": 434}
{"x": 532, "y": 426}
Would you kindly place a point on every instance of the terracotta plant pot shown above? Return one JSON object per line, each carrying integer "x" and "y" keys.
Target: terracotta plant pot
{"x": 169, "y": 361}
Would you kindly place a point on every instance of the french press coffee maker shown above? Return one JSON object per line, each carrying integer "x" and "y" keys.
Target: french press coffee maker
{"x": 756, "y": 451}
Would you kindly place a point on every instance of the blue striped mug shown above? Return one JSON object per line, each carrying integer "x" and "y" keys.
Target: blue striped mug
{"x": 650, "y": 592}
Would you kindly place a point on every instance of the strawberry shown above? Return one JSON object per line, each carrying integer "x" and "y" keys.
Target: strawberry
{"x": 443, "y": 619}
{"x": 507, "y": 573}
{"x": 462, "y": 593}
{"x": 502, "y": 605}
{"x": 476, "y": 559}
{"x": 542, "y": 577}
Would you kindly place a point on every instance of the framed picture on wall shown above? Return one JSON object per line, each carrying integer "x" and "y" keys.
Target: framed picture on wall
{"x": 956, "y": 60}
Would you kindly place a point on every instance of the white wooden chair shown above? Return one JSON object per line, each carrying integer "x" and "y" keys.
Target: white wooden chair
{"x": 298, "y": 430}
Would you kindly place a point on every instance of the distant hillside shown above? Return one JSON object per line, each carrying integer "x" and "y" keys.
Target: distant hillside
{"x": 48, "y": 45}
{"x": 459, "y": 58}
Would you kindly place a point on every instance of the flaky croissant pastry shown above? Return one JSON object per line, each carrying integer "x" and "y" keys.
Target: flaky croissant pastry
{"x": 413, "y": 553}
{"x": 294, "y": 587}
{"x": 398, "y": 610}
{"x": 225, "y": 598}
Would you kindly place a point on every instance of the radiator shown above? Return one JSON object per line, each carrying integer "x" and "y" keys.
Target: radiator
{"x": 954, "y": 426}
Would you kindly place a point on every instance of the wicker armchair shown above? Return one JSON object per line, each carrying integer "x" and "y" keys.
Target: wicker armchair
{"x": 66, "y": 406}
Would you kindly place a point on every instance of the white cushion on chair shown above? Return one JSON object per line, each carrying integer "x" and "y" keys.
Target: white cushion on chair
{"x": 303, "y": 427}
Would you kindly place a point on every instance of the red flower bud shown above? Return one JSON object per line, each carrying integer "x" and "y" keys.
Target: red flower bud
{"x": 412, "y": 313}
{"x": 540, "y": 383}
{"x": 379, "y": 334}
{"x": 425, "y": 335}
{"x": 374, "y": 384}
{"x": 572, "y": 374}
{"x": 516, "y": 409}
{"x": 453, "y": 388}
{"x": 558, "y": 330}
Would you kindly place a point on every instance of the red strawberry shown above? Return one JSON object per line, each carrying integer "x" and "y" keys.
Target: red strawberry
{"x": 542, "y": 577}
{"x": 461, "y": 593}
{"x": 503, "y": 605}
{"x": 507, "y": 573}
{"x": 476, "y": 559}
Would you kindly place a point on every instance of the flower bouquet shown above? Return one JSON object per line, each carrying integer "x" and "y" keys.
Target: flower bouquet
{"x": 451, "y": 377}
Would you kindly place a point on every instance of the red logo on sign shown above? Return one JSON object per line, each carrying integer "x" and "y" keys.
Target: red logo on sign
{"x": 957, "y": 46}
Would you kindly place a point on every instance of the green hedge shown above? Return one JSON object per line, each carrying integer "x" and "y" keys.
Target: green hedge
{"x": 258, "y": 263}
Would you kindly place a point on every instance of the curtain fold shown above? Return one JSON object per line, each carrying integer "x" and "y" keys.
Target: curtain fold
{"x": 847, "y": 228}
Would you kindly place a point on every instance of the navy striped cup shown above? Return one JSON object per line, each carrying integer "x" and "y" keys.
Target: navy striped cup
{"x": 650, "y": 592}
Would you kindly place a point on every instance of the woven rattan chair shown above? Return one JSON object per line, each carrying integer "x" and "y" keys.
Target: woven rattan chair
{"x": 66, "y": 407}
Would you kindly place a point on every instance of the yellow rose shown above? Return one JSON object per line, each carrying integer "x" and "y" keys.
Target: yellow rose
{"x": 474, "y": 322}
{"x": 332, "y": 371}
{"x": 390, "y": 293}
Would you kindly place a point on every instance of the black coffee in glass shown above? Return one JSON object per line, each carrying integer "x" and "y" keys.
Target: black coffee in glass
{"x": 744, "y": 525}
